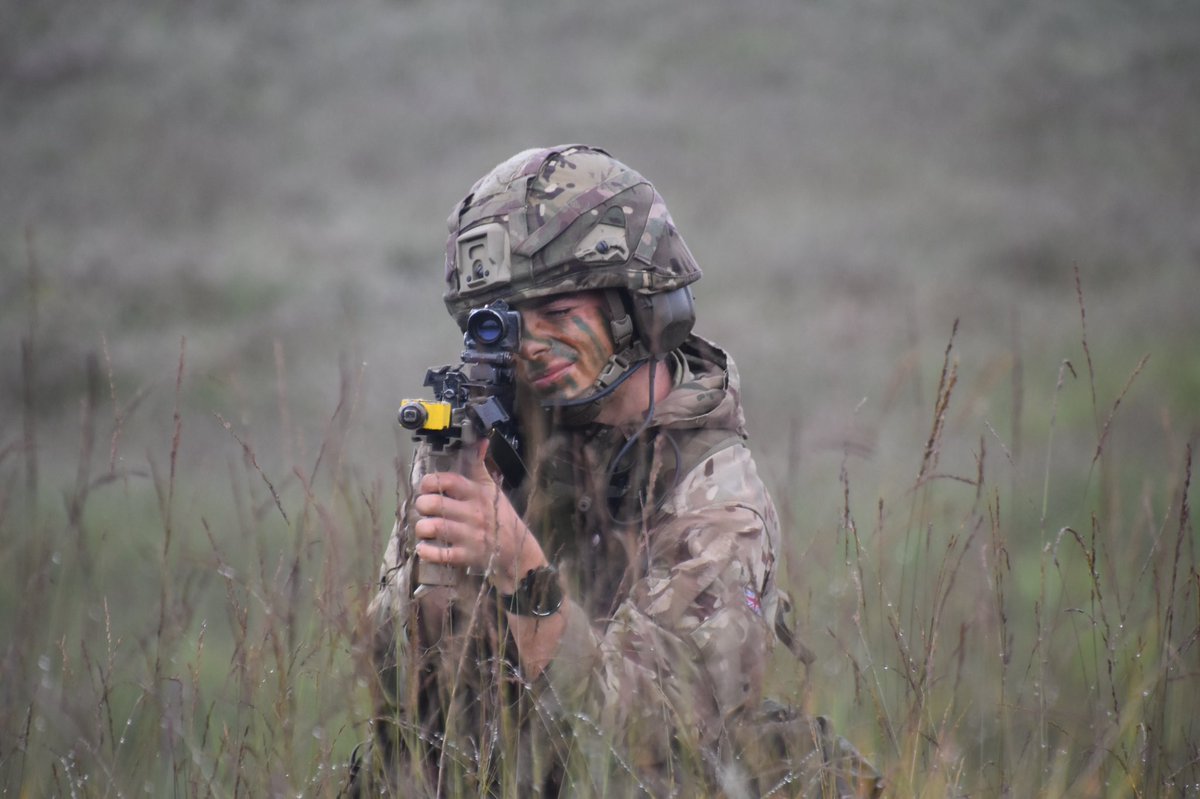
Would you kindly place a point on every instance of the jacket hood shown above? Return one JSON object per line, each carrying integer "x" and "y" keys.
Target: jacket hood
{"x": 707, "y": 391}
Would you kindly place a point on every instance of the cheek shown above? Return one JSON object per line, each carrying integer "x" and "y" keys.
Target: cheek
{"x": 537, "y": 346}
{"x": 560, "y": 350}
{"x": 593, "y": 339}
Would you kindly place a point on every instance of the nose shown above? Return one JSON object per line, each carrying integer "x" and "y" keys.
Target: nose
{"x": 531, "y": 348}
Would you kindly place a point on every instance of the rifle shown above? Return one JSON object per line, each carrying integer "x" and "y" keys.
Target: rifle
{"x": 472, "y": 401}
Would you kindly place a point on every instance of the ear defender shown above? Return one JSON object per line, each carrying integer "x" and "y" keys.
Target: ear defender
{"x": 663, "y": 321}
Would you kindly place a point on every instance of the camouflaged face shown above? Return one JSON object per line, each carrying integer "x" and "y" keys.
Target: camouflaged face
{"x": 561, "y": 219}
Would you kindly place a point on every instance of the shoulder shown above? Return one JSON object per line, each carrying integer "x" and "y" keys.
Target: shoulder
{"x": 725, "y": 476}
{"x": 721, "y": 514}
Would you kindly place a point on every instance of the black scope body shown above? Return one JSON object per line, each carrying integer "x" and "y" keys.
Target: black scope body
{"x": 493, "y": 328}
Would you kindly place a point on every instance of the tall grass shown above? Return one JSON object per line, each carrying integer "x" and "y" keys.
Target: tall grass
{"x": 165, "y": 636}
{"x": 1019, "y": 635}
{"x": 1006, "y": 623}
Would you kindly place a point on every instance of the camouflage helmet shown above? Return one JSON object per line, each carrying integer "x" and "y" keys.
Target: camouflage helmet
{"x": 569, "y": 218}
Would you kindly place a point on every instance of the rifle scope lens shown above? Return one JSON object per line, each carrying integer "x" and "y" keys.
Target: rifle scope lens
{"x": 486, "y": 326}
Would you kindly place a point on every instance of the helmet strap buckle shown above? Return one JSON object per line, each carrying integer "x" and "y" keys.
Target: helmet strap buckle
{"x": 620, "y": 321}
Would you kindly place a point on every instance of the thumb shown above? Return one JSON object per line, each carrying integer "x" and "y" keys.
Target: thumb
{"x": 476, "y": 461}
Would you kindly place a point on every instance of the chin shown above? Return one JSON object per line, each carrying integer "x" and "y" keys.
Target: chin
{"x": 558, "y": 396}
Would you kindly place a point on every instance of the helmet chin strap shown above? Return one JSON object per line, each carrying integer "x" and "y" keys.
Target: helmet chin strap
{"x": 629, "y": 354}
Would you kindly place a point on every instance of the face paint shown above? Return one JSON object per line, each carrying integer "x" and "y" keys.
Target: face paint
{"x": 565, "y": 343}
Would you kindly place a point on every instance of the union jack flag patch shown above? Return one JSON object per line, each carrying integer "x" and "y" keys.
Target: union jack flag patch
{"x": 753, "y": 600}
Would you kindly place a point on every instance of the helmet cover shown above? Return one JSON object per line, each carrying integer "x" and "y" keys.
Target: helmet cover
{"x": 561, "y": 219}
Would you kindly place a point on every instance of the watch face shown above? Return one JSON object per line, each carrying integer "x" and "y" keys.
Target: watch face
{"x": 538, "y": 594}
{"x": 545, "y": 593}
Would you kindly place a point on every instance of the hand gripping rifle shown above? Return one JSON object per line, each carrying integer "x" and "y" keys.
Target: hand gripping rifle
{"x": 472, "y": 401}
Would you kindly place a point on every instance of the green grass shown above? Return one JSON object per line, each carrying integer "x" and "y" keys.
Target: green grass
{"x": 169, "y": 632}
{"x": 1024, "y": 636}
{"x": 274, "y": 182}
{"x": 986, "y": 624}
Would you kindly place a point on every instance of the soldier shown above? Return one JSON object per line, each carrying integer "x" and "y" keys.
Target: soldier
{"x": 612, "y": 626}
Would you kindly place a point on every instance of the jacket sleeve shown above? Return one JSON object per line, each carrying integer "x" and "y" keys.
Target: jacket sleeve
{"x": 688, "y": 648}
{"x": 390, "y": 607}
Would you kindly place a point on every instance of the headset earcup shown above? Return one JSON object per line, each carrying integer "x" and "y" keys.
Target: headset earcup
{"x": 664, "y": 320}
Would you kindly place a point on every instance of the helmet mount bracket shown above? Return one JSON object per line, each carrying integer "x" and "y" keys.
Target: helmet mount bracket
{"x": 484, "y": 259}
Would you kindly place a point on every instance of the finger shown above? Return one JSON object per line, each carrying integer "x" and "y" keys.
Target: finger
{"x": 436, "y": 553}
{"x": 447, "y": 532}
{"x": 450, "y": 484}
{"x": 430, "y": 504}
{"x": 429, "y": 528}
{"x": 439, "y": 506}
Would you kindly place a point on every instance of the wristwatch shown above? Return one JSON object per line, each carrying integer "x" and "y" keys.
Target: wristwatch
{"x": 538, "y": 594}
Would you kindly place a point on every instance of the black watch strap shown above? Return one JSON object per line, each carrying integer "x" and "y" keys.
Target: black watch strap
{"x": 538, "y": 594}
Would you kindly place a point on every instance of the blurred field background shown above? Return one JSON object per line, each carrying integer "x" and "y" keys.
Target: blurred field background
{"x": 221, "y": 232}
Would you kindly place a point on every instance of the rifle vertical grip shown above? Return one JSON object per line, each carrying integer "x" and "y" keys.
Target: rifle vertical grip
{"x": 451, "y": 459}
{"x": 436, "y": 574}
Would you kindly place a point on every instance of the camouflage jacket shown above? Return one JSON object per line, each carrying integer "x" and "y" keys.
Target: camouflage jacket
{"x": 667, "y": 549}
